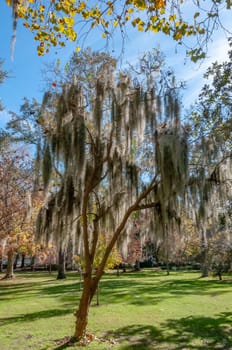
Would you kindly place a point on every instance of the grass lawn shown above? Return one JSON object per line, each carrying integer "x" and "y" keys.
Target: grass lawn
{"x": 139, "y": 311}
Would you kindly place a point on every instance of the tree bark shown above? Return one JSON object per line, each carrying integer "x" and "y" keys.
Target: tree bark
{"x": 61, "y": 265}
{"x": 10, "y": 265}
{"x": 204, "y": 253}
{"x": 33, "y": 263}
{"x": 16, "y": 260}
{"x": 23, "y": 261}
{"x": 82, "y": 312}
{"x": 1, "y": 263}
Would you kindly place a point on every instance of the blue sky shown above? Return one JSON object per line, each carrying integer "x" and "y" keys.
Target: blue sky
{"x": 25, "y": 69}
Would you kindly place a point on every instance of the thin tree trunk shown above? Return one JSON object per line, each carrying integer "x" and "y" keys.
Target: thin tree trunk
{"x": 167, "y": 256}
{"x": 204, "y": 265}
{"x": 23, "y": 261}
{"x": 33, "y": 263}
{"x": 61, "y": 265}
{"x": 97, "y": 295}
{"x": 10, "y": 265}
{"x": 137, "y": 265}
{"x": 1, "y": 264}
{"x": 16, "y": 260}
{"x": 89, "y": 290}
{"x": 80, "y": 273}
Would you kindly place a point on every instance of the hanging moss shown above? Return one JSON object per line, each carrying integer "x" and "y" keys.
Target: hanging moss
{"x": 88, "y": 158}
{"x": 37, "y": 166}
{"x": 98, "y": 105}
{"x": 46, "y": 98}
{"x": 47, "y": 165}
{"x": 202, "y": 211}
{"x": 39, "y": 223}
{"x": 60, "y": 196}
{"x": 60, "y": 112}
{"x": 54, "y": 143}
{"x": 65, "y": 143}
{"x": 118, "y": 113}
{"x": 215, "y": 176}
{"x": 69, "y": 195}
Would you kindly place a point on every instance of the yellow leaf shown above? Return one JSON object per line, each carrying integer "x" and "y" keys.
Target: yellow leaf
{"x": 69, "y": 21}
{"x": 130, "y": 10}
{"x": 178, "y": 36}
{"x": 81, "y": 6}
{"x": 41, "y": 8}
{"x": 159, "y": 4}
{"x": 172, "y": 18}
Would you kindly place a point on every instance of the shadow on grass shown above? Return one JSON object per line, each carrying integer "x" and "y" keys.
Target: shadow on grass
{"x": 215, "y": 333}
{"x": 156, "y": 288}
{"x": 61, "y": 288}
{"x": 142, "y": 288}
{"x": 195, "y": 333}
{"x": 35, "y": 316}
{"x": 139, "y": 337}
{"x": 19, "y": 287}
{"x": 49, "y": 286}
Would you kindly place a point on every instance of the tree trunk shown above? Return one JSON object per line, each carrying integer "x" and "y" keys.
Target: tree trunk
{"x": 61, "y": 265}
{"x": 33, "y": 263}
{"x": 137, "y": 265}
{"x": 89, "y": 290}
{"x": 97, "y": 295}
{"x": 1, "y": 264}
{"x": 23, "y": 261}
{"x": 16, "y": 260}
{"x": 204, "y": 253}
{"x": 10, "y": 265}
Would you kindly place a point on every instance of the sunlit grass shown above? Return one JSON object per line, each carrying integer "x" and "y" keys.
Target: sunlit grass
{"x": 142, "y": 311}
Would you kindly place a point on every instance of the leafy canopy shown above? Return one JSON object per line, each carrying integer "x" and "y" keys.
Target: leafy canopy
{"x": 56, "y": 21}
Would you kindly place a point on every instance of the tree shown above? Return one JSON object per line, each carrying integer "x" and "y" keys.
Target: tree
{"x": 25, "y": 126}
{"x": 55, "y": 22}
{"x": 94, "y": 155}
{"x": 210, "y": 183}
{"x": 15, "y": 167}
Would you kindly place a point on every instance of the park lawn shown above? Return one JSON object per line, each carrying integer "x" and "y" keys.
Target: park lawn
{"x": 138, "y": 311}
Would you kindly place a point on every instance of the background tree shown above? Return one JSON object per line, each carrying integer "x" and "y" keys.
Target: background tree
{"x": 24, "y": 126}
{"x": 15, "y": 171}
{"x": 210, "y": 183}
{"x": 104, "y": 177}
